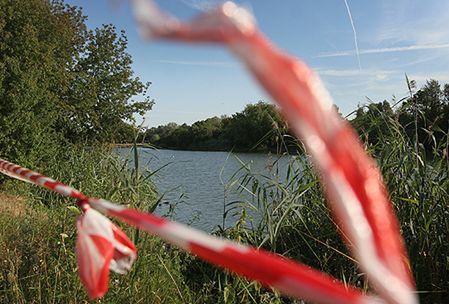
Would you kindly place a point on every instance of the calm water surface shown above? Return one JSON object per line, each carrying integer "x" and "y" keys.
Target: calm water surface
{"x": 195, "y": 185}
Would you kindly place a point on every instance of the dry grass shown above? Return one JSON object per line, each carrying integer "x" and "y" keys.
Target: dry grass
{"x": 37, "y": 238}
{"x": 24, "y": 247}
{"x": 12, "y": 205}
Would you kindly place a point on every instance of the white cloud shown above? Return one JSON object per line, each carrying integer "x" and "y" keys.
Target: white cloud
{"x": 423, "y": 59}
{"x": 375, "y": 74}
{"x": 442, "y": 77}
{"x": 414, "y": 22}
{"x": 201, "y": 5}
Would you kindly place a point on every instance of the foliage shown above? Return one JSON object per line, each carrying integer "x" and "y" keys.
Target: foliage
{"x": 294, "y": 219}
{"x": 255, "y": 127}
{"x": 31, "y": 66}
{"x": 372, "y": 122}
{"x": 429, "y": 108}
{"x": 424, "y": 117}
{"x": 38, "y": 235}
{"x": 37, "y": 242}
{"x": 98, "y": 101}
{"x": 61, "y": 83}
{"x": 259, "y": 127}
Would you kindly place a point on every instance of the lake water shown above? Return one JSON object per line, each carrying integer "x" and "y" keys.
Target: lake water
{"x": 196, "y": 184}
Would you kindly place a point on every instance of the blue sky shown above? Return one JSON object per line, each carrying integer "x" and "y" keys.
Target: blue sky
{"x": 193, "y": 82}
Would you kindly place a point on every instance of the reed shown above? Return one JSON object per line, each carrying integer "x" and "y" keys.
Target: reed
{"x": 286, "y": 214}
{"x": 294, "y": 219}
{"x": 38, "y": 235}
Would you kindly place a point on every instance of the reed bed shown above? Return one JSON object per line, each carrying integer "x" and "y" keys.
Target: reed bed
{"x": 38, "y": 228}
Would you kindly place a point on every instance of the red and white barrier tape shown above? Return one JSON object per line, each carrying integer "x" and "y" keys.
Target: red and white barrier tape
{"x": 101, "y": 245}
{"x": 353, "y": 184}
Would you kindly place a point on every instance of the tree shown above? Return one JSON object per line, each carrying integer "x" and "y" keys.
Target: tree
{"x": 254, "y": 128}
{"x": 257, "y": 128}
{"x": 99, "y": 99}
{"x": 372, "y": 123}
{"x": 36, "y": 39}
{"x": 61, "y": 83}
{"x": 425, "y": 114}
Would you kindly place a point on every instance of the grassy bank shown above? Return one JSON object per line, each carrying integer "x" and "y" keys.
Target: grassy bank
{"x": 38, "y": 234}
{"x": 297, "y": 223}
{"x": 38, "y": 229}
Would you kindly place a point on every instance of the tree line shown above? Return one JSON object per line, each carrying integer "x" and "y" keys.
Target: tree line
{"x": 258, "y": 127}
{"x": 423, "y": 116}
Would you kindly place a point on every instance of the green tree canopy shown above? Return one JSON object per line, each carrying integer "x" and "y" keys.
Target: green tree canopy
{"x": 254, "y": 128}
{"x": 100, "y": 102}
{"x": 426, "y": 114}
{"x": 60, "y": 82}
{"x": 371, "y": 122}
{"x": 257, "y": 128}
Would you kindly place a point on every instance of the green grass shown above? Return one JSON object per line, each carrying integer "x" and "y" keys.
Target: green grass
{"x": 296, "y": 221}
{"x": 37, "y": 242}
{"x": 39, "y": 265}
{"x": 38, "y": 228}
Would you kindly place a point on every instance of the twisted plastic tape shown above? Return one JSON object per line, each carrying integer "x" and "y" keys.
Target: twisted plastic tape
{"x": 271, "y": 270}
{"x": 353, "y": 184}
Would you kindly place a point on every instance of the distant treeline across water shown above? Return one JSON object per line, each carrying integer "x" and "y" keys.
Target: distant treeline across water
{"x": 423, "y": 116}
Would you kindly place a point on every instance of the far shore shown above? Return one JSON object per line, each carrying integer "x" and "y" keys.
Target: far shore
{"x": 130, "y": 145}
{"x": 208, "y": 149}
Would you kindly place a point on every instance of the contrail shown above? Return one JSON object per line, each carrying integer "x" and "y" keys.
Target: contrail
{"x": 416, "y": 47}
{"x": 355, "y": 34}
